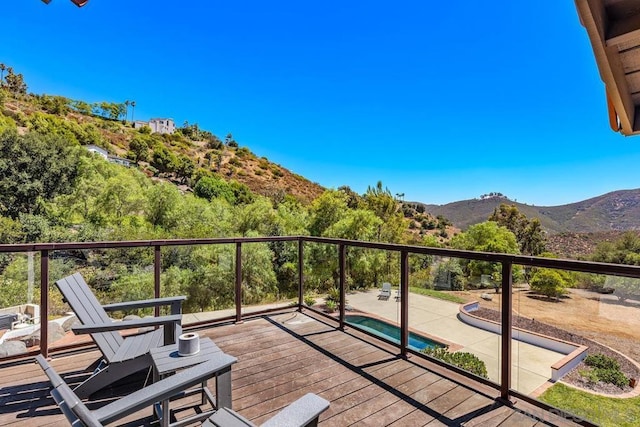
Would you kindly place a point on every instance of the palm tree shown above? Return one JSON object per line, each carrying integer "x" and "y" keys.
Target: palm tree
{"x": 126, "y": 114}
{"x": 2, "y": 68}
{"x": 133, "y": 109}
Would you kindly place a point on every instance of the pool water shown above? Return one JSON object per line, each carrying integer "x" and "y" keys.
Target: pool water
{"x": 391, "y": 332}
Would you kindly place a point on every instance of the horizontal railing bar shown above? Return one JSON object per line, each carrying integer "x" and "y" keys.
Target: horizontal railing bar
{"x": 555, "y": 263}
{"x": 30, "y": 247}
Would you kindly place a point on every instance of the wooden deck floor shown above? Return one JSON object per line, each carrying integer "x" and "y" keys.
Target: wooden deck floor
{"x": 282, "y": 357}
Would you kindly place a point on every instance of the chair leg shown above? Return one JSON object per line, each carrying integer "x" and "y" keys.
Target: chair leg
{"x": 97, "y": 365}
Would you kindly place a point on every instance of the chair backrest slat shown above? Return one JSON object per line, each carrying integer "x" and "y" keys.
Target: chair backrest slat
{"x": 84, "y": 303}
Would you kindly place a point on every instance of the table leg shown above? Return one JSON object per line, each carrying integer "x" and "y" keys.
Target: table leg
{"x": 223, "y": 388}
{"x": 163, "y": 414}
{"x": 166, "y": 415}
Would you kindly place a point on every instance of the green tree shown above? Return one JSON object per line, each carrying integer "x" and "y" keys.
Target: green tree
{"x": 381, "y": 202}
{"x": 138, "y": 149}
{"x": 387, "y": 208}
{"x": 359, "y": 224}
{"x": 57, "y": 105}
{"x": 624, "y": 250}
{"x": 529, "y": 234}
{"x": 365, "y": 266}
{"x": 185, "y": 168}
{"x": 81, "y": 107}
{"x": 120, "y": 196}
{"x": 15, "y": 82}
{"x": 326, "y": 210}
{"x": 33, "y": 168}
{"x": 354, "y": 200}
{"x": 10, "y": 231}
{"x": 229, "y": 141}
{"x": 210, "y": 187}
{"x": 258, "y": 217}
{"x": 241, "y": 193}
{"x": 201, "y": 218}
{"x": 163, "y": 202}
{"x": 486, "y": 237}
{"x": 210, "y": 286}
{"x": 163, "y": 159}
{"x": 548, "y": 282}
{"x": 258, "y": 278}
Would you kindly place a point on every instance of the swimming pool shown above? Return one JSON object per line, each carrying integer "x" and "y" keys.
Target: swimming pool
{"x": 391, "y": 332}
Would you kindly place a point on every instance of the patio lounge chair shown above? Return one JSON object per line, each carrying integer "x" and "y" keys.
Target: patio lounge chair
{"x": 121, "y": 356}
{"x": 385, "y": 292}
{"x": 303, "y": 412}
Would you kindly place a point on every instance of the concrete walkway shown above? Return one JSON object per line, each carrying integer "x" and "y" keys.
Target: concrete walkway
{"x": 531, "y": 365}
{"x": 205, "y": 316}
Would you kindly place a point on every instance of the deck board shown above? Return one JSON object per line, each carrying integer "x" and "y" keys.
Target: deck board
{"x": 278, "y": 361}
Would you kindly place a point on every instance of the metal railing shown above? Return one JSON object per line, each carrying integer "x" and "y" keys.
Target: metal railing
{"x": 507, "y": 261}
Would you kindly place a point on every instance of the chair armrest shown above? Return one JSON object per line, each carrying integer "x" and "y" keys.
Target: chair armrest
{"x": 53, "y": 376}
{"x": 164, "y": 389}
{"x": 174, "y": 319}
{"x": 302, "y": 412}
{"x": 174, "y": 302}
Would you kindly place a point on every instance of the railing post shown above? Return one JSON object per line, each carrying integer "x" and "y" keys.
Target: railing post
{"x": 156, "y": 275}
{"x": 238, "y": 282}
{"x": 404, "y": 303}
{"x": 300, "y": 274}
{"x": 507, "y": 322}
{"x": 342, "y": 261}
{"x": 44, "y": 303}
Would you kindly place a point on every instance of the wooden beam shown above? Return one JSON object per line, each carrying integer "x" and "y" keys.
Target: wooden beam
{"x": 593, "y": 17}
{"x": 623, "y": 30}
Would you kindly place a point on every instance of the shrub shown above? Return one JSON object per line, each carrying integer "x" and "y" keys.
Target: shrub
{"x": 467, "y": 361}
{"x": 333, "y": 295}
{"x": 615, "y": 377}
{"x": 548, "y": 282}
{"x": 243, "y": 152}
{"x": 263, "y": 164}
{"x": 603, "y": 369}
{"x": 309, "y": 300}
{"x": 331, "y": 306}
{"x": 601, "y": 361}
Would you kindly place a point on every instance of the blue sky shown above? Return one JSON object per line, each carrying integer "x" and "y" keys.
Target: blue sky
{"x": 439, "y": 101}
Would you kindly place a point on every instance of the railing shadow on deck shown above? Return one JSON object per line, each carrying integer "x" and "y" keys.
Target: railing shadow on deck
{"x": 360, "y": 371}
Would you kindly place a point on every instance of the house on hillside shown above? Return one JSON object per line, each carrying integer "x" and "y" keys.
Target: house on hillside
{"x": 157, "y": 125}
{"x": 162, "y": 125}
{"x": 108, "y": 157}
{"x": 139, "y": 124}
{"x": 98, "y": 150}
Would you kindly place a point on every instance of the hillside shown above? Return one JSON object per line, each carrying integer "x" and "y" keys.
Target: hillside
{"x": 579, "y": 245}
{"x": 202, "y": 150}
{"x": 615, "y": 211}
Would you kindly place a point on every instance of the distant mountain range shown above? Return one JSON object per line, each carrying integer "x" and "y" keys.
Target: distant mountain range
{"x": 615, "y": 211}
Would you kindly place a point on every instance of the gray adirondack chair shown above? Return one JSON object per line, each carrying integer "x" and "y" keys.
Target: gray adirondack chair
{"x": 121, "y": 356}
{"x": 303, "y": 412}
